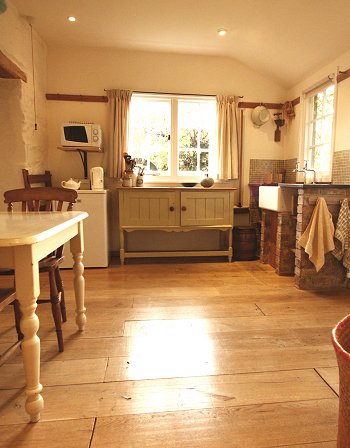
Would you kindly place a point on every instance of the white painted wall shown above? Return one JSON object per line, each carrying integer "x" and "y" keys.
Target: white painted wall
{"x": 12, "y": 147}
{"x": 21, "y": 146}
{"x": 90, "y": 71}
{"x": 342, "y": 134}
{"x": 293, "y": 137}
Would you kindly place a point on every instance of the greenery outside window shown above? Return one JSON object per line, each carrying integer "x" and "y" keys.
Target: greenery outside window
{"x": 173, "y": 137}
{"x": 318, "y": 139}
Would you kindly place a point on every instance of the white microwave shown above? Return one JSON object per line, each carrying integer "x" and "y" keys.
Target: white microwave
{"x": 81, "y": 134}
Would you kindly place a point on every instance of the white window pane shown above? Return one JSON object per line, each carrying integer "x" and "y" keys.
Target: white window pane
{"x": 188, "y": 161}
{"x": 319, "y": 130}
{"x": 149, "y": 133}
{"x": 318, "y": 136}
{"x": 188, "y": 138}
{"x": 327, "y": 129}
{"x": 318, "y": 105}
{"x": 196, "y": 124}
{"x": 188, "y": 149}
{"x": 329, "y": 101}
{"x": 322, "y": 158}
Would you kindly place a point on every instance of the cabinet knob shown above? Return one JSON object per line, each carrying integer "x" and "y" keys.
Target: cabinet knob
{"x": 171, "y": 208}
{"x": 183, "y": 208}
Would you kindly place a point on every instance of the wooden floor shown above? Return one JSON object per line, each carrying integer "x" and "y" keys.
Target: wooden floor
{"x": 186, "y": 355}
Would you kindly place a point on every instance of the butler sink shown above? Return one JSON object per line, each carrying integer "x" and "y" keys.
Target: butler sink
{"x": 276, "y": 198}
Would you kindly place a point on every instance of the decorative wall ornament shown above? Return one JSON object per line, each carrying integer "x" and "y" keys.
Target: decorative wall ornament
{"x": 279, "y": 121}
{"x": 260, "y": 116}
{"x": 288, "y": 110}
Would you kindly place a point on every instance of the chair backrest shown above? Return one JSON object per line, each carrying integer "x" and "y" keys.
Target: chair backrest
{"x": 42, "y": 199}
{"x": 35, "y": 179}
{"x": 32, "y": 199}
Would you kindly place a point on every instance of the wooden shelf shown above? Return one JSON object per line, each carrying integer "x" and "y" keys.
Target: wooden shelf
{"x": 81, "y": 148}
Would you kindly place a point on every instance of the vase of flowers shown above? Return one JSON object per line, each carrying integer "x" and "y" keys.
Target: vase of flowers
{"x": 129, "y": 173}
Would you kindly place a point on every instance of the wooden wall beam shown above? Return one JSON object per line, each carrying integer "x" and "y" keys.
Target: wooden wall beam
{"x": 296, "y": 101}
{"x": 9, "y": 70}
{"x": 343, "y": 75}
{"x": 104, "y": 99}
{"x": 80, "y": 98}
{"x": 244, "y": 105}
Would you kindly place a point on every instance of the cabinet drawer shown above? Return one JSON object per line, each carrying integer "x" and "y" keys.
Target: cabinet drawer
{"x": 148, "y": 209}
{"x": 206, "y": 208}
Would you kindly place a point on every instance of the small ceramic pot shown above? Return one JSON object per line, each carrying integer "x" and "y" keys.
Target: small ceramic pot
{"x": 207, "y": 182}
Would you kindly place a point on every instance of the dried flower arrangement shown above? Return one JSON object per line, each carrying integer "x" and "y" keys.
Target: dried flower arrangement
{"x": 130, "y": 163}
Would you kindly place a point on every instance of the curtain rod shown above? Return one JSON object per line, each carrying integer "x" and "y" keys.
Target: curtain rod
{"x": 172, "y": 93}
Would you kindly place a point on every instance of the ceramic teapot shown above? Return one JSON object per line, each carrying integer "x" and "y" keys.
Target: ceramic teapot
{"x": 71, "y": 183}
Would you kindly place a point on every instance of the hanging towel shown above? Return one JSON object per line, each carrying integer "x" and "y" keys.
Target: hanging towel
{"x": 342, "y": 236}
{"x": 318, "y": 236}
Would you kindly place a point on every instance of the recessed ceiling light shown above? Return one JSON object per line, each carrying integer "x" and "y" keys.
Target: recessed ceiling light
{"x": 72, "y": 19}
{"x": 222, "y": 31}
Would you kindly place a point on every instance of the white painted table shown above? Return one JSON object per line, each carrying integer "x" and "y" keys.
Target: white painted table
{"x": 26, "y": 238}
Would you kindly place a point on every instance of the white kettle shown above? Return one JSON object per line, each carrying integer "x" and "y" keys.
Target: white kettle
{"x": 96, "y": 177}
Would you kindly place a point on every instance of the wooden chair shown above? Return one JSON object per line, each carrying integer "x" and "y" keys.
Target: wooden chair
{"x": 54, "y": 200}
{"x": 35, "y": 179}
{"x": 8, "y": 297}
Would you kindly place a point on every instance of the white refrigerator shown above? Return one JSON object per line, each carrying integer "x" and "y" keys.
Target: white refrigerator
{"x": 96, "y": 250}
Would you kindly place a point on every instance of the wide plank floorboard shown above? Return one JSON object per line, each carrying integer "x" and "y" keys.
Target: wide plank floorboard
{"x": 235, "y": 427}
{"x": 181, "y": 354}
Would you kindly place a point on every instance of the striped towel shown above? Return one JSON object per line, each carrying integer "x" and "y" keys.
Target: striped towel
{"x": 342, "y": 236}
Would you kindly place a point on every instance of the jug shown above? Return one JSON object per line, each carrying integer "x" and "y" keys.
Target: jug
{"x": 71, "y": 183}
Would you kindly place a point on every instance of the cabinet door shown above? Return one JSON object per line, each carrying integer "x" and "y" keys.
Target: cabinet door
{"x": 206, "y": 208}
{"x": 148, "y": 209}
{"x": 95, "y": 230}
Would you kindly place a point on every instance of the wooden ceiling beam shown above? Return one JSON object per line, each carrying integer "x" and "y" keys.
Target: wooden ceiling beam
{"x": 9, "y": 70}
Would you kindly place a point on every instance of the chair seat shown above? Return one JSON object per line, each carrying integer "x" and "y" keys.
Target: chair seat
{"x": 45, "y": 265}
{"x": 49, "y": 263}
{"x": 51, "y": 199}
{"x": 7, "y": 296}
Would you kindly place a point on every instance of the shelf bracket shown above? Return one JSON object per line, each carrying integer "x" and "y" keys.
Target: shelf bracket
{"x": 84, "y": 159}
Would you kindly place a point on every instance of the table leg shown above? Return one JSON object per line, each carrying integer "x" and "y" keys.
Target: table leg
{"x": 28, "y": 290}
{"x": 77, "y": 249}
{"x": 122, "y": 250}
{"x": 230, "y": 252}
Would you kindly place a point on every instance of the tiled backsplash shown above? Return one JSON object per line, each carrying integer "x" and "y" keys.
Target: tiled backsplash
{"x": 341, "y": 167}
{"x": 289, "y": 166}
{"x": 260, "y": 168}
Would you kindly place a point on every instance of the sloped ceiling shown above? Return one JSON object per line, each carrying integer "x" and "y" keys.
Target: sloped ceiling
{"x": 284, "y": 40}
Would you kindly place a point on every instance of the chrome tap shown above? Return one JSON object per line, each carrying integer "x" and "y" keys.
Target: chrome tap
{"x": 309, "y": 170}
{"x": 297, "y": 168}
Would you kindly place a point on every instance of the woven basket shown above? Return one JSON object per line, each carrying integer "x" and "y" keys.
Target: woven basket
{"x": 341, "y": 343}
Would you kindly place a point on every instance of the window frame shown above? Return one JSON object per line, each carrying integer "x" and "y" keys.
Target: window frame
{"x": 309, "y": 123}
{"x": 173, "y": 176}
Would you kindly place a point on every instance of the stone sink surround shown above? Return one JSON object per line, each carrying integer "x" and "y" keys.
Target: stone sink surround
{"x": 290, "y": 227}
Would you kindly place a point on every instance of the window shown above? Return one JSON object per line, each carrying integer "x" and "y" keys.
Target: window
{"x": 173, "y": 137}
{"x": 319, "y": 131}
